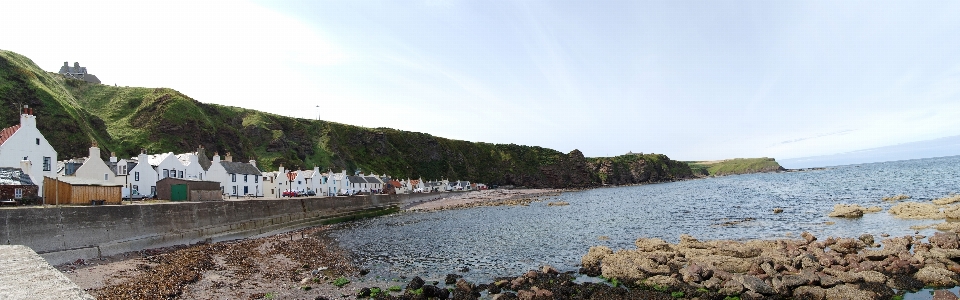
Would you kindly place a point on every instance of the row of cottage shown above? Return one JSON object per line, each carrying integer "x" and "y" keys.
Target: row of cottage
{"x": 27, "y": 161}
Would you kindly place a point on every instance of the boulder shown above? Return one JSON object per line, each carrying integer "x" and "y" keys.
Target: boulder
{"x": 547, "y": 269}
{"x": 810, "y": 292}
{"x": 754, "y": 283}
{"x": 662, "y": 281}
{"x": 914, "y": 210}
{"x": 936, "y": 276}
{"x": 808, "y": 237}
{"x": 652, "y": 244}
{"x": 590, "y": 261}
{"x": 944, "y": 295}
{"x": 945, "y": 240}
{"x": 847, "y": 211}
{"x": 738, "y": 250}
{"x": 694, "y": 273}
{"x": 847, "y": 246}
{"x": 849, "y": 292}
{"x": 415, "y": 283}
{"x": 731, "y": 287}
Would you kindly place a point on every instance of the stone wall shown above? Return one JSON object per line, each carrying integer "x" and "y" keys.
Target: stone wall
{"x": 64, "y": 234}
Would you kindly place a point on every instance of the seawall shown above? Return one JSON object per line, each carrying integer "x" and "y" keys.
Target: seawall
{"x": 66, "y": 233}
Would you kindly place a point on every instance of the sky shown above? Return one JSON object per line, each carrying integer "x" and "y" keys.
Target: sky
{"x": 696, "y": 80}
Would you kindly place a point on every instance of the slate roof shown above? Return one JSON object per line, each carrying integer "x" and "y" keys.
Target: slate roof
{"x": 204, "y": 161}
{"x": 356, "y": 179}
{"x": 14, "y": 176}
{"x": 239, "y": 168}
{"x": 373, "y": 179}
{"x": 7, "y": 132}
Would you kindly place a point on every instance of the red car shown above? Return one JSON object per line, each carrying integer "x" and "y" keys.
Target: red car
{"x": 289, "y": 194}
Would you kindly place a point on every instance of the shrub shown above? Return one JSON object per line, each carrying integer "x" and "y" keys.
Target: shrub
{"x": 340, "y": 282}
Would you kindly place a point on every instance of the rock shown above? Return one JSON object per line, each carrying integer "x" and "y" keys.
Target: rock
{"x": 849, "y": 292}
{"x": 517, "y": 282}
{"x": 465, "y": 286}
{"x": 363, "y": 293}
{"x": 846, "y": 211}
{"x": 547, "y": 269}
{"x": 867, "y": 239}
{"x": 754, "y": 283}
{"x": 451, "y": 278}
{"x": 558, "y": 203}
{"x": 847, "y": 246}
{"x": 738, "y": 250}
{"x": 687, "y": 241}
{"x": 945, "y": 240}
{"x": 936, "y": 276}
{"x": 494, "y": 289}
{"x": 808, "y": 237}
{"x": 535, "y": 293}
{"x": 415, "y": 283}
{"x": 694, "y": 273}
{"x": 944, "y": 295}
{"x": 751, "y": 295}
{"x": 433, "y": 291}
{"x": 714, "y": 283}
{"x": 591, "y": 261}
{"x": 777, "y": 210}
{"x": 809, "y": 292}
{"x": 873, "y": 209}
{"x": 872, "y": 276}
{"x": 305, "y": 280}
{"x": 913, "y": 210}
{"x": 731, "y": 287}
{"x": 663, "y": 281}
{"x": 651, "y": 245}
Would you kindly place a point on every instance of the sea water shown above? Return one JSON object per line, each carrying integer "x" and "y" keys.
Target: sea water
{"x": 508, "y": 241}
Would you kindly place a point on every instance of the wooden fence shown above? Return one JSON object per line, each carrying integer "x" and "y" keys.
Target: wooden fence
{"x": 59, "y": 192}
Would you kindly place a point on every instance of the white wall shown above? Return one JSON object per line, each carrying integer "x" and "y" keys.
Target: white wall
{"x": 29, "y": 142}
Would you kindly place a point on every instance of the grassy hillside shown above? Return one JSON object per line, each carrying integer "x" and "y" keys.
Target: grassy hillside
{"x": 73, "y": 113}
{"x": 735, "y": 166}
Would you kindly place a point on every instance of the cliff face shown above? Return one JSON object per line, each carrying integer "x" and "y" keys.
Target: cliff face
{"x": 639, "y": 168}
{"x": 72, "y": 113}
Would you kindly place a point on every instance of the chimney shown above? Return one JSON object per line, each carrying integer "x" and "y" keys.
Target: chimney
{"x": 253, "y": 163}
{"x": 66, "y": 64}
{"x": 142, "y": 158}
{"x": 113, "y": 157}
{"x": 94, "y": 151}
{"x": 27, "y": 119}
{"x": 228, "y": 157}
{"x": 216, "y": 157}
{"x": 281, "y": 170}
{"x": 26, "y": 166}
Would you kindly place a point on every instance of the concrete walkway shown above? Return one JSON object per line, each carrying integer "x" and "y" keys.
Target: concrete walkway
{"x": 25, "y": 275}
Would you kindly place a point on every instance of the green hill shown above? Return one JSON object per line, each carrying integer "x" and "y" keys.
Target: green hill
{"x": 735, "y": 166}
{"x": 73, "y": 113}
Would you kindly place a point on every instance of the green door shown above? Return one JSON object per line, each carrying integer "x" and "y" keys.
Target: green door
{"x": 178, "y": 192}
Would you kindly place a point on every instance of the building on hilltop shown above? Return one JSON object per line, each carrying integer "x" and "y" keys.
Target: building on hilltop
{"x": 78, "y": 72}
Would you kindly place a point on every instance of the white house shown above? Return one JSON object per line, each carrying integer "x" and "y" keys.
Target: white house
{"x": 24, "y": 142}
{"x": 236, "y": 178}
{"x": 300, "y": 183}
{"x": 94, "y": 169}
{"x": 166, "y": 165}
{"x": 191, "y": 166}
{"x": 142, "y": 177}
{"x": 337, "y": 183}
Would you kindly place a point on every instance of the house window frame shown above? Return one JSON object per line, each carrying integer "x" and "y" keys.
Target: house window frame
{"x": 38, "y": 141}
{"x": 166, "y": 173}
{"x": 136, "y": 188}
{"x": 18, "y": 193}
{"x": 46, "y": 163}
{"x": 136, "y": 176}
{"x": 233, "y": 177}
{"x": 244, "y": 177}
{"x": 256, "y": 179}
{"x": 181, "y": 174}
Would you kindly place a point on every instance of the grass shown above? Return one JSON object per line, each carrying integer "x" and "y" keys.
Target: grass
{"x": 340, "y": 282}
{"x": 736, "y": 166}
{"x": 677, "y": 295}
{"x": 374, "y": 291}
{"x": 395, "y": 288}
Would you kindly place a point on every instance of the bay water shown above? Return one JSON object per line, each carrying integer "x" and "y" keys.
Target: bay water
{"x": 486, "y": 242}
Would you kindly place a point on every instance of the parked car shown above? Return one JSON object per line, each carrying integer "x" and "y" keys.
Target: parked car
{"x": 311, "y": 193}
{"x": 134, "y": 194}
{"x": 289, "y": 194}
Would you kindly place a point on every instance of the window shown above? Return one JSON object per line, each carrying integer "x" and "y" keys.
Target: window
{"x": 18, "y": 193}
{"x": 234, "y": 190}
{"x": 181, "y": 174}
{"x": 153, "y": 190}
{"x": 246, "y": 190}
{"x": 46, "y": 163}
{"x": 105, "y": 177}
{"x": 234, "y": 177}
{"x": 166, "y": 173}
{"x": 136, "y": 188}
{"x": 256, "y": 179}
{"x": 201, "y": 176}
{"x": 244, "y": 178}
{"x": 38, "y": 141}
{"x": 136, "y": 176}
